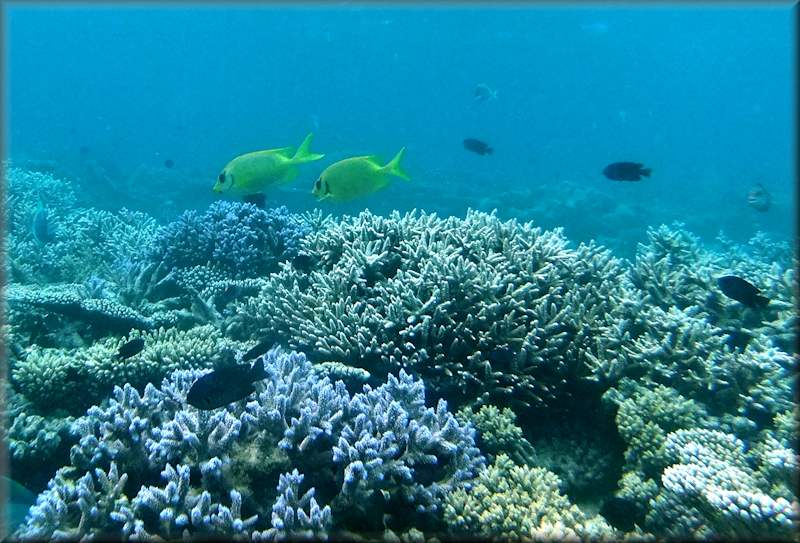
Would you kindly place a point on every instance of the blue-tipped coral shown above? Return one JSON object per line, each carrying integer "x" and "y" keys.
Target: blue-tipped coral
{"x": 380, "y": 451}
{"x": 239, "y": 239}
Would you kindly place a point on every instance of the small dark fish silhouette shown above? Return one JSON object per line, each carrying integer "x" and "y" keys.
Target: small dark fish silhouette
{"x": 257, "y": 350}
{"x": 626, "y": 171}
{"x": 169, "y": 163}
{"x": 259, "y": 199}
{"x": 622, "y": 514}
{"x": 736, "y": 339}
{"x": 225, "y": 385}
{"x": 303, "y": 262}
{"x": 131, "y": 348}
{"x": 484, "y": 92}
{"x": 740, "y": 290}
{"x": 40, "y": 224}
{"x": 759, "y": 198}
{"x": 477, "y": 146}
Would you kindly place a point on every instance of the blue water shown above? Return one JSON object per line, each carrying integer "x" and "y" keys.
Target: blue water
{"x": 701, "y": 95}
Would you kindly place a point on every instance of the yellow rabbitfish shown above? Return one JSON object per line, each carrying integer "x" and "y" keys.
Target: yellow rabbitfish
{"x": 357, "y": 176}
{"x": 252, "y": 173}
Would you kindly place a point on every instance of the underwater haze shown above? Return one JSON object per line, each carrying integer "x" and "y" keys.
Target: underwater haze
{"x": 703, "y": 95}
{"x": 400, "y": 271}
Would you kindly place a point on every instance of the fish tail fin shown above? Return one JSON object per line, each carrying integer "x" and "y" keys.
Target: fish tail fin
{"x": 646, "y": 171}
{"x": 304, "y": 153}
{"x": 393, "y": 167}
{"x": 257, "y": 371}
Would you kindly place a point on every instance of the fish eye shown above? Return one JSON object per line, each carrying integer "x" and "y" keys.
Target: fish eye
{"x": 318, "y": 184}
{"x": 222, "y": 177}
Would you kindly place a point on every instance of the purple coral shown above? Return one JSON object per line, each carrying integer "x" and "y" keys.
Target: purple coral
{"x": 237, "y": 238}
{"x": 403, "y": 453}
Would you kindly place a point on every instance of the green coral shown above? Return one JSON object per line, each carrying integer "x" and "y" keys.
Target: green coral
{"x": 514, "y": 502}
{"x": 498, "y": 433}
{"x": 644, "y": 418}
{"x": 74, "y": 379}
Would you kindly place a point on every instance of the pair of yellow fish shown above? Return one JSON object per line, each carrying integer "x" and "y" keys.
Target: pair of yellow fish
{"x": 253, "y": 173}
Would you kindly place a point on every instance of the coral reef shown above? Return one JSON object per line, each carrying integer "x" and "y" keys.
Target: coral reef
{"x": 81, "y": 241}
{"x": 239, "y": 239}
{"x": 377, "y": 450}
{"x": 634, "y": 389}
{"x": 485, "y": 311}
{"x": 709, "y": 491}
{"x": 74, "y": 379}
{"x": 513, "y": 502}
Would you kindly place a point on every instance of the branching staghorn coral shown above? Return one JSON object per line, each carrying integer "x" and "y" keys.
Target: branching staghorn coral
{"x": 673, "y": 270}
{"x": 484, "y": 310}
{"x": 380, "y": 434}
{"x": 83, "y": 242}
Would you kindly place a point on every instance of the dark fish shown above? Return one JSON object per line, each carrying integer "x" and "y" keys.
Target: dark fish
{"x": 258, "y": 199}
{"x": 225, "y": 385}
{"x": 759, "y": 198}
{"x": 169, "y": 163}
{"x": 477, "y": 146}
{"x": 484, "y": 92}
{"x": 626, "y": 171}
{"x": 303, "y": 262}
{"x": 737, "y": 339}
{"x": 41, "y": 226}
{"x": 257, "y": 350}
{"x": 622, "y": 514}
{"x": 740, "y": 290}
{"x": 131, "y": 348}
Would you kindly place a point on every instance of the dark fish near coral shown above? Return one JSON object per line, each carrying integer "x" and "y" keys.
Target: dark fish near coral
{"x": 736, "y": 339}
{"x": 303, "y": 262}
{"x": 257, "y": 350}
{"x": 622, "y": 514}
{"x": 626, "y": 171}
{"x": 742, "y": 291}
{"x": 40, "y": 224}
{"x": 169, "y": 163}
{"x": 258, "y": 199}
{"x": 225, "y": 385}
{"x": 759, "y": 198}
{"x": 477, "y": 146}
{"x": 131, "y": 348}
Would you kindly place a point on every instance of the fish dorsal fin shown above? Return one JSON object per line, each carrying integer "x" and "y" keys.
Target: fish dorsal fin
{"x": 375, "y": 159}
